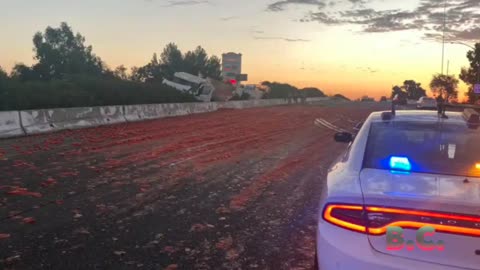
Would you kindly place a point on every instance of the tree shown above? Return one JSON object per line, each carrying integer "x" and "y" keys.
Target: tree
{"x": 396, "y": 90}
{"x": 445, "y": 85}
{"x": 313, "y": 92}
{"x": 197, "y": 62}
{"x": 3, "y": 74}
{"x": 340, "y": 96}
{"x": 59, "y": 52}
{"x": 135, "y": 74}
{"x": 471, "y": 75}
{"x": 120, "y": 72}
{"x": 280, "y": 90}
{"x": 23, "y": 73}
{"x": 200, "y": 61}
{"x": 213, "y": 68}
{"x": 366, "y": 99}
{"x": 414, "y": 90}
{"x": 151, "y": 72}
{"x": 189, "y": 63}
{"x": 171, "y": 60}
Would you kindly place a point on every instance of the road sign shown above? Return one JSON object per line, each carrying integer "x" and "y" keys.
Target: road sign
{"x": 476, "y": 89}
{"x": 242, "y": 77}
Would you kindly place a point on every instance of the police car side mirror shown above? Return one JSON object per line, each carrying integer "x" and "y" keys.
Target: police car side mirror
{"x": 343, "y": 137}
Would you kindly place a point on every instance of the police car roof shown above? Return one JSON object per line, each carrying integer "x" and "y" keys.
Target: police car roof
{"x": 419, "y": 116}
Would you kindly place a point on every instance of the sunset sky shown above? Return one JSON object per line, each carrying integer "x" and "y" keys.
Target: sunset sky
{"x": 353, "y": 47}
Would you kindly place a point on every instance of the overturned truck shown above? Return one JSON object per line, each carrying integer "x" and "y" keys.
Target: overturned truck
{"x": 197, "y": 86}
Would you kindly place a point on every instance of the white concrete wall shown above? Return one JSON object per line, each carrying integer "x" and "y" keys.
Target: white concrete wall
{"x": 135, "y": 113}
{"x": 317, "y": 99}
{"x": 244, "y": 104}
{"x": 50, "y": 120}
{"x": 112, "y": 114}
{"x": 10, "y": 124}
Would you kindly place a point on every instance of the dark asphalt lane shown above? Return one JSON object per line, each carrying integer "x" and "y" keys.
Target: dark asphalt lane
{"x": 234, "y": 189}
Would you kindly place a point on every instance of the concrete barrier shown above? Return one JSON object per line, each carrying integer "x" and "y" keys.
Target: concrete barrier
{"x": 50, "y": 120}
{"x": 112, "y": 114}
{"x": 245, "y": 104}
{"x": 314, "y": 100}
{"x": 135, "y": 113}
{"x": 203, "y": 107}
{"x": 412, "y": 102}
{"x": 10, "y": 124}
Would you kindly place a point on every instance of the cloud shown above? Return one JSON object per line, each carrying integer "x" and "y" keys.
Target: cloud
{"x": 280, "y": 5}
{"x": 462, "y": 18}
{"x": 185, "y": 3}
{"x": 323, "y": 18}
{"x": 367, "y": 69}
{"x": 229, "y": 18}
{"x": 470, "y": 34}
{"x": 372, "y": 21}
{"x": 282, "y": 38}
{"x": 357, "y": 1}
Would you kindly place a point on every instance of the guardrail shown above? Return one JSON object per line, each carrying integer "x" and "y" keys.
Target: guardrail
{"x": 29, "y": 122}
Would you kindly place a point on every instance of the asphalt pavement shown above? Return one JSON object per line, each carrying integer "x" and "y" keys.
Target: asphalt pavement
{"x": 233, "y": 189}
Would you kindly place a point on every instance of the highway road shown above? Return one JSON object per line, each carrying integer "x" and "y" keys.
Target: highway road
{"x": 233, "y": 189}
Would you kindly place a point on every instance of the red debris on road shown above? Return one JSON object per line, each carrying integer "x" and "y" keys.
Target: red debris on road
{"x": 29, "y": 220}
{"x": 23, "y": 192}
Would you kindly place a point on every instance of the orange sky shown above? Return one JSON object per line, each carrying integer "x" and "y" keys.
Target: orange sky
{"x": 275, "y": 45}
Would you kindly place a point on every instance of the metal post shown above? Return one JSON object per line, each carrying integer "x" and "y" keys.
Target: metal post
{"x": 443, "y": 36}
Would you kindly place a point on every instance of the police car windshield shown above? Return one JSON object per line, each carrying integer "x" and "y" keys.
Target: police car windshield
{"x": 437, "y": 148}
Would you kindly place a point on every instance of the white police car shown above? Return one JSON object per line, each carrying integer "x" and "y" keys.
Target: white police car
{"x": 404, "y": 195}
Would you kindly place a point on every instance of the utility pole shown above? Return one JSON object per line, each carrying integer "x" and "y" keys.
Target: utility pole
{"x": 448, "y": 66}
{"x": 443, "y": 36}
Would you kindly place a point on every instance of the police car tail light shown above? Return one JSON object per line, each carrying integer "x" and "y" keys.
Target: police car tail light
{"x": 375, "y": 220}
{"x": 416, "y": 219}
{"x": 346, "y": 216}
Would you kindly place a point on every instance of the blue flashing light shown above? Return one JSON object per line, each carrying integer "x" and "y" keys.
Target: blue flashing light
{"x": 400, "y": 172}
{"x": 400, "y": 163}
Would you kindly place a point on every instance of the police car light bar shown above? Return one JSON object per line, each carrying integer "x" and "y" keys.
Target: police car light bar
{"x": 400, "y": 163}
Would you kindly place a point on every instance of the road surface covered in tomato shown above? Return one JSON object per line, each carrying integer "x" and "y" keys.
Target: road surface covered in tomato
{"x": 233, "y": 189}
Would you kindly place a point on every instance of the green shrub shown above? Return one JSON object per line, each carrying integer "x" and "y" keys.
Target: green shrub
{"x": 84, "y": 91}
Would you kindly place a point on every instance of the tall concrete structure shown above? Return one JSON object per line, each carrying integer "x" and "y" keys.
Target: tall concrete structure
{"x": 231, "y": 66}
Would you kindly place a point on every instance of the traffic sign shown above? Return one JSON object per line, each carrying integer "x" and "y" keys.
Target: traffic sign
{"x": 476, "y": 89}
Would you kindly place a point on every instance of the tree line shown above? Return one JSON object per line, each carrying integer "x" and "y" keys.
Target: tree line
{"x": 67, "y": 73}
{"x": 285, "y": 90}
{"x": 446, "y": 85}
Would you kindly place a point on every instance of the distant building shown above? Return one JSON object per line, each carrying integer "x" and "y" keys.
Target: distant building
{"x": 231, "y": 67}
